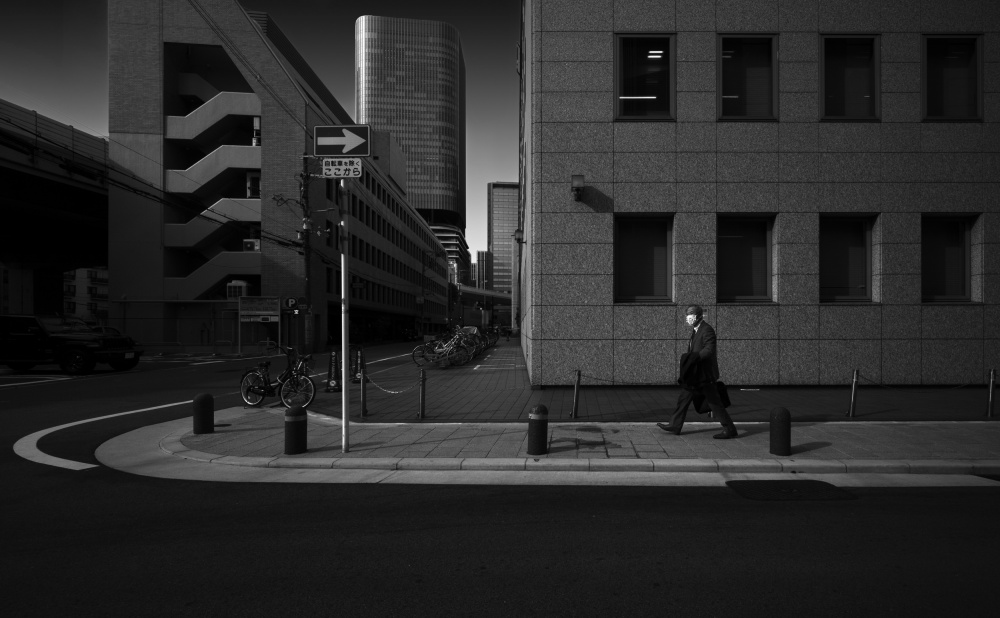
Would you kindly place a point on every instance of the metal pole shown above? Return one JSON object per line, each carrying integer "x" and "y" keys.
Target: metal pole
{"x": 576, "y": 395}
{"x": 989, "y": 408}
{"x": 854, "y": 391}
{"x": 344, "y": 309}
{"x": 420, "y": 404}
{"x": 364, "y": 390}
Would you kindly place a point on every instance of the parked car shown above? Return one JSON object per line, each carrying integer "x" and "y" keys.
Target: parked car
{"x": 107, "y": 330}
{"x": 29, "y": 340}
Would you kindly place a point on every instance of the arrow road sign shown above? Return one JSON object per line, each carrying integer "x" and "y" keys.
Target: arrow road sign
{"x": 354, "y": 140}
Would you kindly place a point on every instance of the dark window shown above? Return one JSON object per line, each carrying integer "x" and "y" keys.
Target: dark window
{"x": 748, "y": 86}
{"x": 952, "y": 85}
{"x": 643, "y": 271}
{"x": 945, "y": 258}
{"x": 850, "y": 78}
{"x": 743, "y": 259}
{"x": 645, "y": 77}
{"x": 845, "y": 259}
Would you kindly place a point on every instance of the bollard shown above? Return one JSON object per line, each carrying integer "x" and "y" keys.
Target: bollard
{"x": 364, "y": 392}
{"x": 420, "y": 404}
{"x": 333, "y": 374}
{"x": 854, "y": 391}
{"x": 576, "y": 395}
{"x": 781, "y": 432}
{"x": 989, "y": 402}
{"x": 538, "y": 430}
{"x": 295, "y": 430}
{"x": 204, "y": 413}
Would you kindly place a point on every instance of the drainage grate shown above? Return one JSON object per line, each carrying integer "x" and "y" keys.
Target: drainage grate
{"x": 790, "y": 490}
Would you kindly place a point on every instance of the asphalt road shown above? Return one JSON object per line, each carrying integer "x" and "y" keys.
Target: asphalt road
{"x": 99, "y": 542}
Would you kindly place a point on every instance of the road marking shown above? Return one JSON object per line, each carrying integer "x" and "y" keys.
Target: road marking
{"x": 38, "y": 380}
{"x": 27, "y": 447}
{"x": 385, "y": 359}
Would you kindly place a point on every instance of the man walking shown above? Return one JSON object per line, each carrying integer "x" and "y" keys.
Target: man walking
{"x": 702, "y": 350}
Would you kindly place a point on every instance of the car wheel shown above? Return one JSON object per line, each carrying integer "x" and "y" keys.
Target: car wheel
{"x": 77, "y": 361}
{"x": 124, "y": 365}
{"x": 20, "y": 366}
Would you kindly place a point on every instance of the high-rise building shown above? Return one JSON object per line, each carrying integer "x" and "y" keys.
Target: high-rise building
{"x": 501, "y": 200}
{"x": 411, "y": 82}
{"x": 484, "y": 270}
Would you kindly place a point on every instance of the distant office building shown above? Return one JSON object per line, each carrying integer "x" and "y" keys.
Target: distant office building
{"x": 85, "y": 294}
{"x": 212, "y": 110}
{"x": 411, "y": 83}
{"x": 484, "y": 270}
{"x": 501, "y": 202}
{"x": 820, "y": 177}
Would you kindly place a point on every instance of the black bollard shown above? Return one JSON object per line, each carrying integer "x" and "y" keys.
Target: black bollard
{"x": 538, "y": 431}
{"x": 781, "y": 432}
{"x": 204, "y": 413}
{"x": 333, "y": 374}
{"x": 295, "y": 430}
{"x": 422, "y": 394}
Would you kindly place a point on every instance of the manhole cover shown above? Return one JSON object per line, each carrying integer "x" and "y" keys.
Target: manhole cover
{"x": 790, "y": 490}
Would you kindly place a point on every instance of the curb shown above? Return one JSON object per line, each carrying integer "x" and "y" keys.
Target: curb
{"x": 172, "y": 445}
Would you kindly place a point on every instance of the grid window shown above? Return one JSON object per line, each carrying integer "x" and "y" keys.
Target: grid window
{"x": 645, "y": 77}
{"x": 845, "y": 259}
{"x": 945, "y": 258}
{"x": 952, "y": 85}
{"x": 743, "y": 259}
{"x": 643, "y": 269}
{"x": 850, "y": 78}
{"x": 748, "y": 86}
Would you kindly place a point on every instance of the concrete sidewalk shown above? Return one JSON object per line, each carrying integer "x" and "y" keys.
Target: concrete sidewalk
{"x": 255, "y": 437}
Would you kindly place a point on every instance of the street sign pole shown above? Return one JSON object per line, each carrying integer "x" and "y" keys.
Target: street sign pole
{"x": 344, "y": 309}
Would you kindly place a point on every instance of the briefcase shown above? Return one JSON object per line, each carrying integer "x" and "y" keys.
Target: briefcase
{"x": 701, "y": 404}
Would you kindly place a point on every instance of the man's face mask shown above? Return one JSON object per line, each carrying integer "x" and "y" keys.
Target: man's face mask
{"x": 691, "y": 319}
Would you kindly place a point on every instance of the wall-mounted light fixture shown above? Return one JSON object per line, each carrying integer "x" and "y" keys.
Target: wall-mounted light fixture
{"x": 519, "y": 236}
{"x": 577, "y": 186}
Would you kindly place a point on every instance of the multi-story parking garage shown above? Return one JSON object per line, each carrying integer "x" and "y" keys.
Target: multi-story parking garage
{"x": 212, "y": 112}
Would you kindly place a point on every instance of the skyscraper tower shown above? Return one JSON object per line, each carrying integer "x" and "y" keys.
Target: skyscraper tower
{"x": 410, "y": 81}
{"x": 501, "y": 206}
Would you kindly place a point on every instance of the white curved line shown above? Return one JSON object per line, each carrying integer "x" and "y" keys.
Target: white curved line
{"x": 27, "y": 447}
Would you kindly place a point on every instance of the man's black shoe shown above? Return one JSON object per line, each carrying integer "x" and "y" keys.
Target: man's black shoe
{"x": 726, "y": 434}
{"x": 669, "y": 429}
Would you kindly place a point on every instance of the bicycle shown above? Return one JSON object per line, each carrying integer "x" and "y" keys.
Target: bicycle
{"x": 293, "y": 386}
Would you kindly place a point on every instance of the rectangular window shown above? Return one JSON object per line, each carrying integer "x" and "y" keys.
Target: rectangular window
{"x": 945, "y": 258}
{"x": 845, "y": 259}
{"x": 952, "y": 83}
{"x": 644, "y": 77}
{"x": 748, "y": 85}
{"x": 643, "y": 269}
{"x": 743, "y": 259}
{"x": 850, "y": 79}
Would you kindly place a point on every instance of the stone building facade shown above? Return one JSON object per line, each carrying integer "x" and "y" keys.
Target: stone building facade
{"x": 819, "y": 175}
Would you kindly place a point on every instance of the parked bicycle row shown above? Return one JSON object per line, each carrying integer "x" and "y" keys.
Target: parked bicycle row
{"x": 457, "y": 347}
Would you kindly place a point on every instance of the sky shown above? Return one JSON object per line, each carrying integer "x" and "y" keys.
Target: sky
{"x": 53, "y": 59}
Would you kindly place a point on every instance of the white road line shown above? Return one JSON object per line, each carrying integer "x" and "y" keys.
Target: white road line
{"x": 39, "y": 380}
{"x": 27, "y": 447}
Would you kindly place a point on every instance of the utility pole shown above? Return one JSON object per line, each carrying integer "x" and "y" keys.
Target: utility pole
{"x": 306, "y": 247}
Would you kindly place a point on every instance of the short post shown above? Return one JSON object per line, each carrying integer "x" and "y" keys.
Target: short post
{"x": 204, "y": 413}
{"x": 422, "y": 391}
{"x": 333, "y": 373}
{"x": 538, "y": 430}
{"x": 364, "y": 391}
{"x": 781, "y": 432}
{"x": 989, "y": 405}
{"x": 295, "y": 430}
{"x": 356, "y": 365}
{"x": 854, "y": 393}
{"x": 576, "y": 395}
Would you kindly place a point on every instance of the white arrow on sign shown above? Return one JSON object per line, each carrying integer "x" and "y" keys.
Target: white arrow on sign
{"x": 349, "y": 141}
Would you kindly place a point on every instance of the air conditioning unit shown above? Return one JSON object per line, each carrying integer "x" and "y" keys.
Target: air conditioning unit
{"x": 251, "y": 244}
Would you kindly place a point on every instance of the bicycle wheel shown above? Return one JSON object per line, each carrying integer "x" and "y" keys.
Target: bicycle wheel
{"x": 252, "y": 388}
{"x": 419, "y": 355}
{"x": 297, "y": 390}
